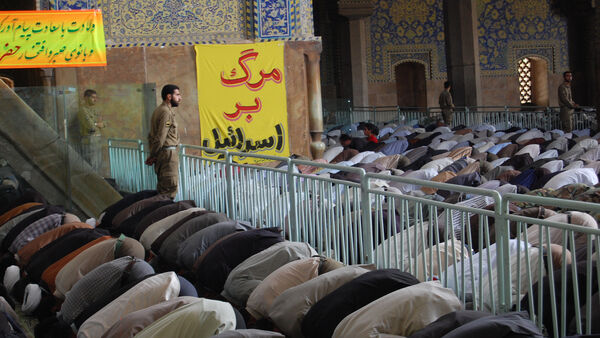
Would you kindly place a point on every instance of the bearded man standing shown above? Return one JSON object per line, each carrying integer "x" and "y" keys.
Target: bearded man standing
{"x": 163, "y": 140}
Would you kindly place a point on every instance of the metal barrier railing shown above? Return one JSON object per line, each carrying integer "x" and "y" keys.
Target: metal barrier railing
{"x": 503, "y": 116}
{"x": 476, "y": 247}
{"x": 581, "y": 242}
{"x": 127, "y": 163}
{"x": 430, "y": 236}
{"x": 201, "y": 179}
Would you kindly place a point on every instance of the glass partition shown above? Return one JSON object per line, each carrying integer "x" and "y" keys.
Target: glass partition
{"x": 58, "y": 136}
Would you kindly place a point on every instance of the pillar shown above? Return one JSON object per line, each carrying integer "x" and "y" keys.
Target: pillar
{"x": 596, "y": 49}
{"x": 462, "y": 51}
{"x": 539, "y": 83}
{"x": 357, "y": 13}
{"x": 315, "y": 107}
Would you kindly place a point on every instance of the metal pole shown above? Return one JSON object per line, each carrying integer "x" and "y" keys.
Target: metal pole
{"x": 229, "y": 185}
{"x": 367, "y": 228}
{"x": 292, "y": 215}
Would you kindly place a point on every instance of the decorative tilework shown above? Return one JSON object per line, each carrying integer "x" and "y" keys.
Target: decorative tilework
{"x": 421, "y": 54}
{"x": 508, "y": 30}
{"x": 167, "y": 22}
{"x": 304, "y": 19}
{"x": 274, "y": 18}
{"x": 511, "y": 28}
{"x": 546, "y": 51}
{"x": 187, "y": 22}
{"x": 406, "y": 30}
{"x": 71, "y": 4}
{"x": 250, "y": 19}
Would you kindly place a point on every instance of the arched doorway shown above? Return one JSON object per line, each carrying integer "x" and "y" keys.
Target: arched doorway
{"x": 533, "y": 81}
{"x": 411, "y": 87}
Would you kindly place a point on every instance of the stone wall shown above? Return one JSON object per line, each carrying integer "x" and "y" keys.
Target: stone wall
{"x": 125, "y": 84}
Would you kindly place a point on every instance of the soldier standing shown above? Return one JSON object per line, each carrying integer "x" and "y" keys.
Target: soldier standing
{"x": 90, "y": 123}
{"x": 446, "y": 103}
{"x": 565, "y": 101}
{"x": 163, "y": 140}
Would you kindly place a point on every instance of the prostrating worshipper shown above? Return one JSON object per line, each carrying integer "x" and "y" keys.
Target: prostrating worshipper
{"x": 401, "y": 312}
{"x": 285, "y": 277}
{"x": 148, "y": 292}
{"x": 215, "y": 264}
{"x": 289, "y": 308}
{"x": 8, "y": 235}
{"x": 161, "y": 213}
{"x": 195, "y": 245}
{"x": 172, "y": 238}
{"x": 93, "y": 257}
{"x": 480, "y": 324}
{"x": 100, "y": 282}
{"x": 24, "y": 254}
{"x": 465, "y": 280}
{"x": 245, "y": 277}
{"x": 136, "y": 321}
{"x": 106, "y": 218}
{"x": 152, "y": 232}
{"x": 581, "y": 272}
{"x": 137, "y": 207}
{"x": 203, "y": 318}
{"x": 40, "y": 227}
{"x": 324, "y": 316}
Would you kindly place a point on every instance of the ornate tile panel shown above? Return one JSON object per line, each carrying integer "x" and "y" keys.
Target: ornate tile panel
{"x": 166, "y": 22}
{"x": 274, "y": 18}
{"x": 512, "y": 29}
{"x": 70, "y": 4}
{"x": 508, "y": 30}
{"x": 406, "y": 30}
{"x": 176, "y": 22}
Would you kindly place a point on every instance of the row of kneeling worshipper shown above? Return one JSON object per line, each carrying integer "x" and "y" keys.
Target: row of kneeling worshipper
{"x": 527, "y": 160}
{"x": 532, "y": 162}
{"x": 140, "y": 270}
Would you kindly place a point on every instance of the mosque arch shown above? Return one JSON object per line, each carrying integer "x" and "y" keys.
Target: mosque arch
{"x": 411, "y": 84}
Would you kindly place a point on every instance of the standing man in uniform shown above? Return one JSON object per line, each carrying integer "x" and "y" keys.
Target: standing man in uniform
{"x": 565, "y": 101}
{"x": 90, "y": 123}
{"x": 446, "y": 103}
{"x": 163, "y": 140}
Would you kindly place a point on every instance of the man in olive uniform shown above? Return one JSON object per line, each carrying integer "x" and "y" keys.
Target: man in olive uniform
{"x": 163, "y": 140}
{"x": 446, "y": 103}
{"x": 565, "y": 101}
{"x": 90, "y": 123}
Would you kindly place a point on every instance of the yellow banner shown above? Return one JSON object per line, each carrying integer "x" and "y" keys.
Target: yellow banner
{"x": 48, "y": 39}
{"x": 242, "y": 99}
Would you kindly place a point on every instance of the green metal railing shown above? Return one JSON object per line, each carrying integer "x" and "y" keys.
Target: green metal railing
{"x": 570, "y": 235}
{"x": 505, "y": 116}
{"x": 361, "y": 222}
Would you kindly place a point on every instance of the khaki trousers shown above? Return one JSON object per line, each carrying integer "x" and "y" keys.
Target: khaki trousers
{"x": 167, "y": 172}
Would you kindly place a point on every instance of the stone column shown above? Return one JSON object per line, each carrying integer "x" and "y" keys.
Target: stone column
{"x": 315, "y": 107}
{"x": 462, "y": 51}
{"x": 596, "y": 48}
{"x": 358, "y": 11}
{"x": 596, "y": 63}
{"x": 539, "y": 83}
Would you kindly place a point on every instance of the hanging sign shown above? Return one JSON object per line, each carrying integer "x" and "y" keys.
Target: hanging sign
{"x": 48, "y": 39}
{"x": 242, "y": 99}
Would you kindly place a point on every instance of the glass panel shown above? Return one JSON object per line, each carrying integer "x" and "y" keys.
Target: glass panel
{"x": 71, "y": 135}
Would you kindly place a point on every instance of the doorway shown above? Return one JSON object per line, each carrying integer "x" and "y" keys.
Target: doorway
{"x": 411, "y": 87}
